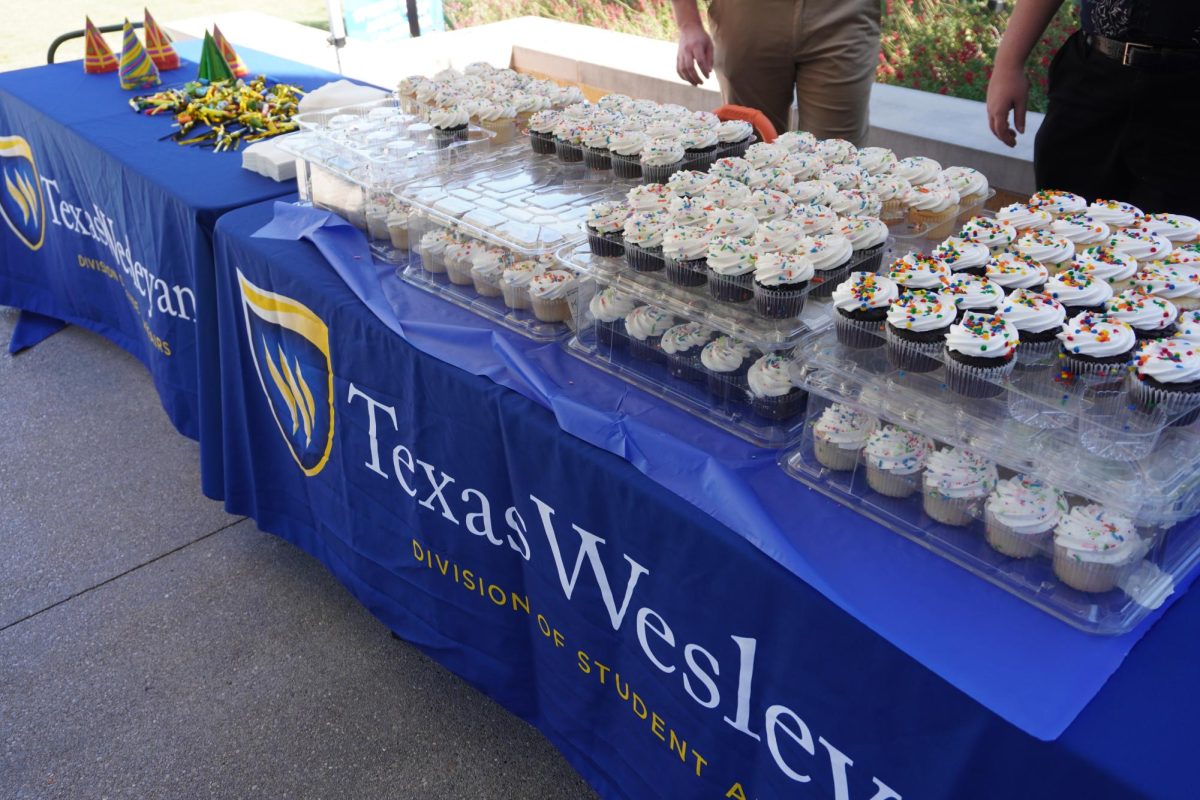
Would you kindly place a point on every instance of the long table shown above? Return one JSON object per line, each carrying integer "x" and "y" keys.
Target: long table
{"x": 110, "y": 228}
{"x": 678, "y": 617}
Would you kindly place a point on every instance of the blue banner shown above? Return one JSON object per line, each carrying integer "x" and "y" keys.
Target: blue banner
{"x": 104, "y": 225}
{"x": 663, "y": 653}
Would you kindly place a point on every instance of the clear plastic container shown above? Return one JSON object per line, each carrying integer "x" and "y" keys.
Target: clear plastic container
{"x": 909, "y": 237}
{"x": 971, "y": 530}
{"x": 720, "y": 305}
{"x": 1082, "y": 434}
{"x": 730, "y": 399}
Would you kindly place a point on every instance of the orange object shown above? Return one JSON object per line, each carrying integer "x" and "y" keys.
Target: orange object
{"x": 231, "y": 57}
{"x": 766, "y": 131}
{"x": 158, "y": 45}
{"x": 98, "y": 57}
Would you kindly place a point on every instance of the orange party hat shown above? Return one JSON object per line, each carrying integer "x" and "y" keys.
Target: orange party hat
{"x": 158, "y": 45}
{"x": 231, "y": 57}
{"x": 98, "y": 57}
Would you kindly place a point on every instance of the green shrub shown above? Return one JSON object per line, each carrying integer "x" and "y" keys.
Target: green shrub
{"x": 943, "y": 46}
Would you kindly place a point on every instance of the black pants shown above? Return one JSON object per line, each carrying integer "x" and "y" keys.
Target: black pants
{"x": 1121, "y": 133}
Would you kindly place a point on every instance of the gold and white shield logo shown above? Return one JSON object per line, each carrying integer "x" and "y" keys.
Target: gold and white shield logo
{"x": 290, "y": 348}
{"x": 21, "y": 203}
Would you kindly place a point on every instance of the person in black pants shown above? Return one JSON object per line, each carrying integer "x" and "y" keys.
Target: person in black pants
{"x": 1123, "y": 121}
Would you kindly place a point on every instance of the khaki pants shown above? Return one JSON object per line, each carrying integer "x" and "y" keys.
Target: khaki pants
{"x": 822, "y": 52}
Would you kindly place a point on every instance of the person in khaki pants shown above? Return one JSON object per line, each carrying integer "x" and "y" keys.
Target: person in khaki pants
{"x": 822, "y": 52}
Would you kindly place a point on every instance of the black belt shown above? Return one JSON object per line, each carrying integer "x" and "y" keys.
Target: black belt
{"x": 1132, "y": 54}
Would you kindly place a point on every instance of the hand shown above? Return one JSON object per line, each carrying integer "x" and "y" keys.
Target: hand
{"x": 1008, "y": 90}
{"x": 695, "y": 51}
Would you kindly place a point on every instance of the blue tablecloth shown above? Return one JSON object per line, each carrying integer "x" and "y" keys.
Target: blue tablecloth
{"x": 111, "y": 229}
{"x": 849, "y": 657}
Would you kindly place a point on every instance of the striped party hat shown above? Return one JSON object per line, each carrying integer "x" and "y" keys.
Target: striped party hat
{"x": 137, "y": 68}
{"x": 158, "y": 45}
{"x": 231, "y": 57}
{"x": 97, "y": 55}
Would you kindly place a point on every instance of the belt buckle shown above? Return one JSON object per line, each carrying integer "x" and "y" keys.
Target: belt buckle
{"x": 1127, "y": 52}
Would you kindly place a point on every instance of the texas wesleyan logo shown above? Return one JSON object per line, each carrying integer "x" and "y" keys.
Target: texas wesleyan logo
{"x": 21, "y": 203}
{"x": 292, "y": 344}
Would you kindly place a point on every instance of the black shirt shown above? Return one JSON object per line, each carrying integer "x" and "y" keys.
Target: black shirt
{"x": 1165, "y": 23}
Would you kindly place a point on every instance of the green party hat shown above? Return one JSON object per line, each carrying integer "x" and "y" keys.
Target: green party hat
{"x": 213, "y": 66}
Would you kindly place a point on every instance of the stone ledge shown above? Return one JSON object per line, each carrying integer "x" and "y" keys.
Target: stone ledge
{"x": 949, "y": 129}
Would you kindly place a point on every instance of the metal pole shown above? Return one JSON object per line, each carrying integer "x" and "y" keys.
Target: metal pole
{"x": 337, "y": 30}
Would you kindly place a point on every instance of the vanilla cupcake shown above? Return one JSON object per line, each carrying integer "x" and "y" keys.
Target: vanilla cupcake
{"x": 1081, "y": 230}
{"x": 1140, "y": 244}
{"x": 996, "y": 234}
{"x": 891, "y": 190}
{"x": 839, "y": 435}
{"x": 1024, "y": 217}
{"x": 955, "y": 483}
{"x": 895, "y": 459}
{"x": 971, "y": 185}
{"x": 514, "y": 283}
{"x": 963, "y": 256}
{"x": 918, "y": 170}
{"x": 549, "y": 292}
{"x": 875, "y": 160}
{"x": 1108, "y": 265}
{"x": 487, "y": 268}
{"x": 1180, "y": 286}
{"x": 1021, "y": 514}
{"x": 857, "y": 203}
{"x": 1175, "y": 228}
{"x": 1114, "y": 213}
{"x": 932, "y": 209}
{"x": 1094, "y": 549}
{"x": 432, "y": 249}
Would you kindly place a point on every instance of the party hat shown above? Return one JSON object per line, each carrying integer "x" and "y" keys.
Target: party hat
{"x": 213, "y": 66}
{"x": 231, "y": 57}
{"x": 98, "y": 57}
{"x": 137, "y": 68}
{"x": 158, "y": 45}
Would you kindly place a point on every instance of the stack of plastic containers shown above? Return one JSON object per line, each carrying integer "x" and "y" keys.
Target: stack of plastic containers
{"x": 1066, "y": 489}
{"x": 352, "y": 159}
{"x": 485, "y": 238}
{"x": 718, "y": 354}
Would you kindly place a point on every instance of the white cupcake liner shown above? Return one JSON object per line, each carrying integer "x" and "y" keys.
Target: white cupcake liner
{"x": 836, "y": 458}
{"x": 892, "y": 484}
{"x": 1090, "y": 576}
{"x": 1006, "y": 541}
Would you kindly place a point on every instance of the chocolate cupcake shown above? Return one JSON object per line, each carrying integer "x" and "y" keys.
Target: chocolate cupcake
{"x": 644, "y": 327}
{"x": 685, "y": 250}
{"x": 726, "y": 362}
{"x": 917, "y": 324}
{"x": 688, "y": 183}
{"x": 733, "y": 137}
{"x": 860, "y": 307}
{"x": 541, "y": 132}
{"x": 781, "y": 281}
{"x": 683, "y": 345}
{"x": 1150, "y": 317}
{"x": 917, "y": 271}
{"x": 606, "y": 228}
{"x": 1096, "y": 348}
{"x": 773, "y": 393}
{"x": 643, "y": 240}
{"x": 1079, "y": 292}
{"x": 831, "y": 258}
{"x": 993, "y": 233}
{"x": 980, "y": 354}
{"x": 1167, "y": 378}
{"x": 608, "y": 308}
{"x": 973, "y": 293}
{"x": 731, "y": 263}
{"x": 625, "y": 153}
{"x": 867, "y": 236}
{"x": 660, "y": 159}
{"x": 1011, "y": 271}
{"x": 1038, "y": 319}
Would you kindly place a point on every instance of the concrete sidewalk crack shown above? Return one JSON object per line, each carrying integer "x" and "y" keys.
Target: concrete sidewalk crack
{"x": 120, "y": 575}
